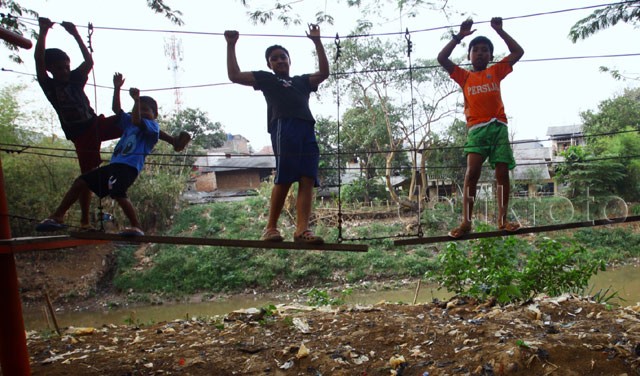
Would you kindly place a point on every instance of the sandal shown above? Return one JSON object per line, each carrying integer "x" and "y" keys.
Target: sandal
{"x": 131, "y": 231}
{"x": 87, "y": 228}
{"x": 509, "y": 226}
{"x": 50, "y": 224}
{"x": 460, "y": 231}
{"x": 271, "y": 235}
{"x": 182, "y": 140}
{"x": 307, "y": 236}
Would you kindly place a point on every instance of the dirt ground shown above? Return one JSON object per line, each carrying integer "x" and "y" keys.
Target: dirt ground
{"x": 560, "y": 336}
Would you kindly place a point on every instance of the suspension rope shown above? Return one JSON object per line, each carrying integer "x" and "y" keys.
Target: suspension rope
{"x": 416, "y": 173}
{"x": 336, "y": 62}
{"x": 90, "y": 30}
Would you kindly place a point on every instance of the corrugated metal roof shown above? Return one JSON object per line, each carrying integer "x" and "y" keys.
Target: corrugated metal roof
{"x": 564, "y": 130}
{"x": 208, "y": 164}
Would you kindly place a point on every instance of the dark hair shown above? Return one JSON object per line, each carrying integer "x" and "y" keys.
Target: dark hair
{"x": 481, "y": 40}
{"x": 151, "y": 103}
{"x": 274, "y": 47}
{"x": 53, "y": 55}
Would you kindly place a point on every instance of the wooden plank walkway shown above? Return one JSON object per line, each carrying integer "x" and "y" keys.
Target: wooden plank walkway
{"x": 181, "y": 240}
{"x": 524, "y": 230}
{"x": 42, "y": 243}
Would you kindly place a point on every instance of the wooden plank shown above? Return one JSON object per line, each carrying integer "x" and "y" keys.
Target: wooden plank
{"x": 181, "y": 240}
{"x": 524, "y": 230}
{"x": 43, "y": 243}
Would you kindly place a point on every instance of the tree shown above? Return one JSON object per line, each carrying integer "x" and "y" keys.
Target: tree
{"x": 446, "y": 159}
{"x": 284, "y": 12}
{"x": 600, "y": 19}
{"x": 205, "y": 134}
{"x": 384, "y": 120}
{"x": 326, "y": 136}
{"x": 587, "y": 175}
{"x": 10, "y": 114}
{"x": 14, "y": 10}
{"x": 626, "y": 147}
{"x": 34, "y": 179}
{"x": 613, "y": 143}
{"x": 613, "y": 115}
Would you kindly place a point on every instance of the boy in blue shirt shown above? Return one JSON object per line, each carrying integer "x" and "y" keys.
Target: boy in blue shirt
{"x": 140, "y": 133}
{"x": 81, "y": 125}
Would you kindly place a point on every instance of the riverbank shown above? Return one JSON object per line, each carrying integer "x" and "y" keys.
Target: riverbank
{"x": 78, "y": 284}
{"x": 564, "y": 336}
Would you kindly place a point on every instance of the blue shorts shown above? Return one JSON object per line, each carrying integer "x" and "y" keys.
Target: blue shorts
{"x": 112, "y": 180}
{"x": 296, "y": 150}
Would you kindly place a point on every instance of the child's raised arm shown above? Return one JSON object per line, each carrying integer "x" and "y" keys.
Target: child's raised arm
{"x": 443, "y": 56}
{"x": 136, "y": 118}
{"x": 118, "y": 81}
{"x": 515, "y": 50}
{"x": 87, "y": 64}
{"x": 323, "y": 64}
{"x": 41, "y": 68}
{"x": 233, "y": 70}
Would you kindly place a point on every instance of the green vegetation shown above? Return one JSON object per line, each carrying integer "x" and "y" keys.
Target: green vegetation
{"x": 316, "y": 297}
{"x": 187, "y": 269}
{"x": 512, "y": 268}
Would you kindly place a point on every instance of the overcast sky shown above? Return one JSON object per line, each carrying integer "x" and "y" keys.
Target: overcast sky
{"x": 538, "y": 94}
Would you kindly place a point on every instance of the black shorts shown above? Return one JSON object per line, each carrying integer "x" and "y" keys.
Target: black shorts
{"x": 111, "y": 180}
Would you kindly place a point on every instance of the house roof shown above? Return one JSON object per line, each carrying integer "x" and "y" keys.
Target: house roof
{"x": 216, "y": 163}
{"x": 565, "y": 130}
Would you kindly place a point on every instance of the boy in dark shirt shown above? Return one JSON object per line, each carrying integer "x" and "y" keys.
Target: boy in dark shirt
{"x": 291, "y": 126}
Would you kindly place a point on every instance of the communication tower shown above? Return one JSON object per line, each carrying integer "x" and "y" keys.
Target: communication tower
{"x": 173, "y": 50}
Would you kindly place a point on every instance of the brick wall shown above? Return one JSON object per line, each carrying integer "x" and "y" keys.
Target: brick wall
{"x": 206, "y": 182}
{"x": 238, "y": 180}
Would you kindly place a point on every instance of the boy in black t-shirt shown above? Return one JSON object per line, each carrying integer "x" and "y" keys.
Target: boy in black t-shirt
{"x": 291, "y": 126}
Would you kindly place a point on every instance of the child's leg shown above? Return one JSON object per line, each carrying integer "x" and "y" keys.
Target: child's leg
{"x": 471, "y": 177}
{"x": 304, "y": 203}
{"x": 85, "y": 206}
{"x": 129, "y": 211}
{"x": 78, "y": 188}
{"x": 88, "y": 151}
{"x": 278, "y": 197}
{"x": 503, "y": 190}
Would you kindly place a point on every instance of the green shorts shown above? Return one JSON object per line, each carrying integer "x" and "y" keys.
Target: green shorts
{"x": 491, "y": 141}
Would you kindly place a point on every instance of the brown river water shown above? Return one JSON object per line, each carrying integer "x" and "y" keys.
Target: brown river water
{"x": 624, "y": 280}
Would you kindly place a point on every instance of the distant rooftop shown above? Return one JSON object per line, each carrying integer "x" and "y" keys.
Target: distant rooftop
{"x": 565, "y": 130}
{"x": 217, "y": 163}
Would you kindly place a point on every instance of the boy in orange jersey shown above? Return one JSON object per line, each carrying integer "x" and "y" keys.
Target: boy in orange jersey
{"x": 487, "y": 135}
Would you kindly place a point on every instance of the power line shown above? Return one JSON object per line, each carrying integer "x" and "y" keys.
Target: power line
{"x": 355, "y": 72}
{"x": 372, "y": 168}
{"x": 20, "y": 148}
{"x": 444, "y": 27}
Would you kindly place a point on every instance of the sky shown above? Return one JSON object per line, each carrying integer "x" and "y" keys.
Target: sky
{"x": 537, "y": 94}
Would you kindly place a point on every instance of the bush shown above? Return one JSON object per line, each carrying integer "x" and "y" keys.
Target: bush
{"x": 496, "y": 267}
{"x": 363, "y": 189}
